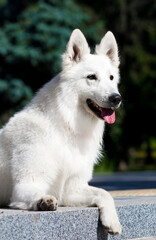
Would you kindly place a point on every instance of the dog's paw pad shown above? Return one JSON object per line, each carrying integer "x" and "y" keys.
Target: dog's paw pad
{"x": 110, "y": 222}
{"x": 47, "y": 204}
{"x": 115, "y": 231}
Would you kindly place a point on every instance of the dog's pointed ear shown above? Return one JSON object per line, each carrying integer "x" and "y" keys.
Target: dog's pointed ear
{"x": 77, "y": 47}
{"x": 108, "y": 46}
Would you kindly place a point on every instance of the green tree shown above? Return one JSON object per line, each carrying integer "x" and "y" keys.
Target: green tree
{"x": 33, "y": 35}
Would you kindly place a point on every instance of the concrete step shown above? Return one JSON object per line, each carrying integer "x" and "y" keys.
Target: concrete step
{"x": 137, "y": 215}
{"x": 146, "y": 238}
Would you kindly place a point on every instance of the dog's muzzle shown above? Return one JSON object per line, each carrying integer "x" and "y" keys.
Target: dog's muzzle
{"x": 108, "y": 113}
{"x": 115, "y": 100}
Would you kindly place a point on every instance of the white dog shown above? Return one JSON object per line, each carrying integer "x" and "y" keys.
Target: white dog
{"x": 48, "y": 150}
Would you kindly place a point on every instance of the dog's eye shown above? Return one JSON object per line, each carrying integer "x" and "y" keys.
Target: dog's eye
{"x": 111, "y": 77}
{"x": 92, "y": 77}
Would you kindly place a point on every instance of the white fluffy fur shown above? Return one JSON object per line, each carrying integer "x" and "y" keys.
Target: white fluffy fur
{"x": 50, "y": 147}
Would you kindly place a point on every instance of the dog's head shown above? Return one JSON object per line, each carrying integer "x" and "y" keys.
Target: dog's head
{"x": 95, "y": 76}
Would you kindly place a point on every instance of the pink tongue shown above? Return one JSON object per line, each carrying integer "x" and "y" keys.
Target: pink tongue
{"x": 108, "y": 115}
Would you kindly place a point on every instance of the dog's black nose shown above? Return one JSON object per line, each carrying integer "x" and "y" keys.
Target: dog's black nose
{"x": 115, "y": 99}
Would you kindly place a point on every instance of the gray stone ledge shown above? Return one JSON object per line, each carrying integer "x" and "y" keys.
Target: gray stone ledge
{"x": 146, "y": 238}
{"x": 137, "y": 215}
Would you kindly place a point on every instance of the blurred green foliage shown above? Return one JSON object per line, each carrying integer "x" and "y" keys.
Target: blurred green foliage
{"x": 33, "y": 35}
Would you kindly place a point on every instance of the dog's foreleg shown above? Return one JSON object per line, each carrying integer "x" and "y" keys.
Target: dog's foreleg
{"x": 79, "y": 194}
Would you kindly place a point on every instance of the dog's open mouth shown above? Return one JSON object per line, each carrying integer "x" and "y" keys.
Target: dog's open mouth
{"x": 104, "y": 113}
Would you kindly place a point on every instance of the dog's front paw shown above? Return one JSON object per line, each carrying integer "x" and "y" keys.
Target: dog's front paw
{"x": 48, "y": 203}
{"x": 110, "y": 221}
